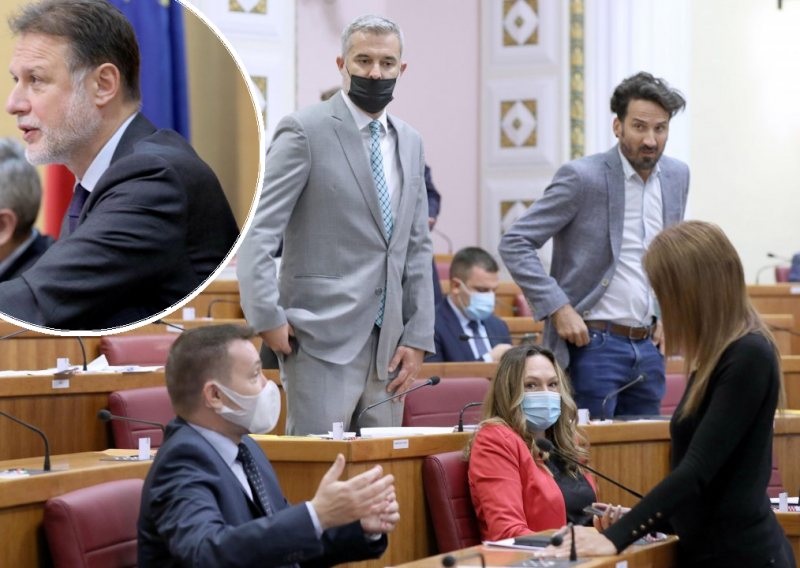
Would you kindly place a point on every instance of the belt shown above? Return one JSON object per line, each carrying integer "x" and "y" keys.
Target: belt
{"x": 631, "y": 332}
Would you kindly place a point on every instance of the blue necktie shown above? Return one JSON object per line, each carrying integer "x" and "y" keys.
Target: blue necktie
{"x": 254, "y": 479}
{"x": 480, "y": 345}
{"x": 376, "y": 160}
{"x": 79, "y": 197}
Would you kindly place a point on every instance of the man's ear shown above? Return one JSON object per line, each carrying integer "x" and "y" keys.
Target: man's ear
{"x": 104, "y": 84}
{"x": 617, "y": 127}
{"x": 8, "y": 224}
{"x": 212, "y": 396}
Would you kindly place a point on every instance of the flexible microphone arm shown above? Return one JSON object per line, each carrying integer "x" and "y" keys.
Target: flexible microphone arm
{"x": 767, "y": 267}
{"x": 105, "y": 416}
{"x": 35, "y": 429}
{"x": 547, "y": 446}
{"x": 461, "y": 414}
{"x": 786, "y": 329}
{"x": 635, "y": 381}
{"x": 167, "y": 324}
{"x": 433, "y": 381}
{"x": 16, "y": 333}
{"x": 83, "y": 350}
{"x": 219, "y": 301}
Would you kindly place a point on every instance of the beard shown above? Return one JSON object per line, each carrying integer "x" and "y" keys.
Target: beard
{"x": 57, "y": 144}
{"x": 638, "y": 161}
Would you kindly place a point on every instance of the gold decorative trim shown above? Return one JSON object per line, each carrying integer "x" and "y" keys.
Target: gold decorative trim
{"x": 261, "y": 85}
{"x": 259, "y": 8}
{"x": 517, "y": 123}
{"x": 512, "y": 210}
{"x": 577, "y": 112}
{"x": 508, "y": 38}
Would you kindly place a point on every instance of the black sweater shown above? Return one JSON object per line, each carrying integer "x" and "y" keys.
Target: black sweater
{"x": 715, "y": 497}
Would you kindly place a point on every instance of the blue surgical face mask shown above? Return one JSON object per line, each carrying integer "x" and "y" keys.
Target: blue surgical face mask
{"x": 542, "y": 409}
{"x": 481, "y": 304}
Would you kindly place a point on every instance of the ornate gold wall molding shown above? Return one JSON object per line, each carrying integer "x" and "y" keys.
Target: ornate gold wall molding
{"x": 259, "y": 7}
{"x": 576, "y": 80}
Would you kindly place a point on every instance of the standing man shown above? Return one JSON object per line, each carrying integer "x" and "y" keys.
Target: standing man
{"x": 602, "y": 212}
{"x": 148, "y": 222}
{"x": 21, "y": 244}
{"x": 352, "y": 316}
{"x": 466, "y": 327}
{"x": 212, "y": 497}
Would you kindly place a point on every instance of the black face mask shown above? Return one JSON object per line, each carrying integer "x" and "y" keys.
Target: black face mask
{"x": 371, "y": 95}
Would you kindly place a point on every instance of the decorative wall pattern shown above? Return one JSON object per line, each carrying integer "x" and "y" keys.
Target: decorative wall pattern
{"x": 249, "y": 6}
{"x": 520, "y": 22}
{"x": 518, "y": 123}
{"x": 261, "y": 87}
{"x": 576, "y": 73}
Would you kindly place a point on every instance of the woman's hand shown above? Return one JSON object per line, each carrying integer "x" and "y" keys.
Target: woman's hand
{"x": 610, "y": 516}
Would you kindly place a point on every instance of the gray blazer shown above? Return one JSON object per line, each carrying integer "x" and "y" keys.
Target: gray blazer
{"x": 319, "y": 195}
{"x": 583, "y": 210}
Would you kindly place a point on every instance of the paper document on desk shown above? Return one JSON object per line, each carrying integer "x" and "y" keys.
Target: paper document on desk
{"x": 509, "y": 543}
{"x": 400, "y": 431}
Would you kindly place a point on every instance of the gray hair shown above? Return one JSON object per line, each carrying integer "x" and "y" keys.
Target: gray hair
{"x": 370, "y": 24}
{"x": 20, "y": 189}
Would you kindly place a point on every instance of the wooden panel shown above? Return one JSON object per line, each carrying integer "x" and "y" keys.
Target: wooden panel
{"x": 505, "y": 295}
{"x": 224, "y": 294}
{"x": 778, "y": 299}
{"x": 791, "y": 526}
{"x": 519, "y": 326}
{"x": 791, "y": 378}
{"x": 458, "y": 370}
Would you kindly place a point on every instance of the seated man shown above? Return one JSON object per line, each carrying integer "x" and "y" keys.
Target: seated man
{"x": 20, "y": 194}
{"x": 466, "y": 327}
{"x": 211, "y": 497}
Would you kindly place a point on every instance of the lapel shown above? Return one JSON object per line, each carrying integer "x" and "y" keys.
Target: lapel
{"x": 671, "y": 206}
{"x": 615, "y": 187}
{"x": 402, "y": 140}
{"x": 455, "y": 329}
{"x": 353, "y": 146}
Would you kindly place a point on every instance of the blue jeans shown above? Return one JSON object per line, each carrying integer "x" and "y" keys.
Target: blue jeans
{"x": 609, "y": 362}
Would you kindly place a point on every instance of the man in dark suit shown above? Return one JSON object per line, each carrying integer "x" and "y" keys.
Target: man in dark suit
{"x": 211, "y": 497}
{"x": 148, "y": 222}
{"x": 468, "y": 311}
{"x": 20, "y": 195}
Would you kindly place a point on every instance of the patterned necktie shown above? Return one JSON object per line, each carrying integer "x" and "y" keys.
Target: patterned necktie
{"x": 480, "y": 344}
{"x": 254, "y": 479}
{"x": 376, "y": 160}
{"x": 79, "y": 197}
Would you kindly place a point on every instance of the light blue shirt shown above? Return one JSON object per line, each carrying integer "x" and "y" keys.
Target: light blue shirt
{"x": 102, "y": 161}
{"x": 228, "y": 451}
{"x": 464, "y": 321}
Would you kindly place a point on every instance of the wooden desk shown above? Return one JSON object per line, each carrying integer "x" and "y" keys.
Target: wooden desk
{"x": 524, "y": 325}
{"x": 657, "y": 555}
{"x": 22, "y": 500}
{"x": 791, "y": 526}
{"x": 791, "y": 378}
{"x": 226, "y": 290}
{"x": 778, "y": 299}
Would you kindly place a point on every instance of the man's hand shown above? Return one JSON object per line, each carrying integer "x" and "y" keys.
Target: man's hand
{"x": 658, "y": 337}
{"x": 499, "y": 350}
{"x": 411, "y": 361}
{"x": 384, "y": 520}
{"x": 570, "y": 326}
{"x": 277, "y": 339}
{"x": 338, "y": 503}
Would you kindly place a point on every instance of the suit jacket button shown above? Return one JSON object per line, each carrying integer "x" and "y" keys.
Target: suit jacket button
{"x": 642, "y": 527}
{"x": 604, "y": 282}
{"x": 634, "y": 533}
{"x": 378, "y": 291}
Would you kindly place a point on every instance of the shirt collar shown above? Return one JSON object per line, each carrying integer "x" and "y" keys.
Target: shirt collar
{"x": 102, "y": 161}
{"x": 7, "y": 261}
{"x": 361, "y": 118}
{"x": 226, "y": 449}
{"x": 627, "y": 168}
{"x": 462, "y": 319}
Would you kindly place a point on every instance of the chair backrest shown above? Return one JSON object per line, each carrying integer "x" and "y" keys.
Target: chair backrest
{"x": 775, "y": 486}
{"x": 440, "y": 405}
{"x": 151, "y": 403}
{"x": 521, "y": 307}
{"x": 443, "y": 270}
{"x": 137, "y": 349}
{"x": 444, "y": 477}
{"x": 676, "y": 384}
{"x": 782, "y": 273}
{"x": 94, "y": 527}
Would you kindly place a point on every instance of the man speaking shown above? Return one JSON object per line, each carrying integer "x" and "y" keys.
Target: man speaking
{"x": 148, "y": 221}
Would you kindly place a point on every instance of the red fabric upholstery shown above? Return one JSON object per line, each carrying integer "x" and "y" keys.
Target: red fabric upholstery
{"x": 137, "y": 349}
{"x": 440, "y": 405}
{"x": 443, "y": 270}
{"x": 775, "y": 481}
{"x": 521, "y": 307}
{"x": 782, "y": 273}
{"x": 676, "y": 384}
{"x": 444, "y": 477}
{"x": 150, "y": 403}
{"x": 94, "y": 527}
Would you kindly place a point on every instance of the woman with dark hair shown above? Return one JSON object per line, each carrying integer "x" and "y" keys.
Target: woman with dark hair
{"x": 516, "y": 489}
{"x": 715, "y": 497}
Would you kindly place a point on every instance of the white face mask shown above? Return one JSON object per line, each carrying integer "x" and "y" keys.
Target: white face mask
{"x": 259, "y": 412}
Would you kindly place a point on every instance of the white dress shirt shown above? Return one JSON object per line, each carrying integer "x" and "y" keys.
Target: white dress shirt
{"x": 482, "y": 335}
{"x": 628, "y": 299}
{"x": 102, "y": 161}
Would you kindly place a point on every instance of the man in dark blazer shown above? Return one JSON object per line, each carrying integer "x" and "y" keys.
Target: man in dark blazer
{"x": 468, "y": 312}
{"x": 212, "y": 498}
{"x": 20, "y": 195}
{"x": 148, "y": 222}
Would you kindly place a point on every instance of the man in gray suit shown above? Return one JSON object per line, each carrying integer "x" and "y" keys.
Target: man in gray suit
{"x": 352, "y": 315}
{"x": 602, "y": 212}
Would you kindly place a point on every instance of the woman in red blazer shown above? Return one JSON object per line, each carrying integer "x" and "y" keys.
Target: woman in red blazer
{"x": 515, "y": 489}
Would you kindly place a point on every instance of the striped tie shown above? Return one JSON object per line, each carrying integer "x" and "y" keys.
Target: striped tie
{"x": 376, "y": 159}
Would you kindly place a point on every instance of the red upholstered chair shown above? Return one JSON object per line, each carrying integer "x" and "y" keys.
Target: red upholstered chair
{"x": 137, "y": 349}
{"x": 443, "y": 270}
{"x": 782, "y": 273}
{"x": 676, "y": 384}
{"x": 440, "y": 405}
{"x": 444, "y": 477}
{"x": 94, "y": 527}
{"x": 151, "y": 404}
{"x": 521, "y": 307}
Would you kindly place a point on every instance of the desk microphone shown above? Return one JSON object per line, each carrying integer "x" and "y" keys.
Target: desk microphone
{"x": 635, "y": 381}
{"x": 786, "y": 329}
{"x": 521, "y": 336}
{"x": 105, "y": 416}
{"x": 778, "y": 257}
{"x": 35, "y": 429}
{"x": 431, "y": 382}
{"x": 83, "y": 351}
{"x": 16, "y": 333}
{"x": 461, "y": 414}
{"x": 546, "y": 445}
{"x": 167, "y": 324}
{"x": 451, "y": 560}
{"x": 219, "y": 301}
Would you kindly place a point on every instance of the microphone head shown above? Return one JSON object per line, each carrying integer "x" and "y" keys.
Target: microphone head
{"x": 104, "y": 415}
{"x": 544, "y": 444}
{"x": 449, "y": 560}
{"x": 556, "y": 540}
{"x": 434, "y": 380}
{"x": 464, "y": 337}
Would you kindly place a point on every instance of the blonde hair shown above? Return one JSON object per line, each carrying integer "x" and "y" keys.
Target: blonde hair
{"x": 503, "y": 405}
{"x": 698, "y": 278}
